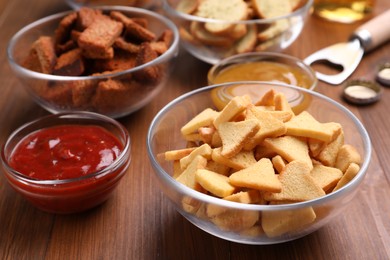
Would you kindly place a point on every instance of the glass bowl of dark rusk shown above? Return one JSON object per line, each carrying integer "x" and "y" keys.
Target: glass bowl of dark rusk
{"x": 212, "y": 30}
{"x": 109, "y": 60}
{"x": 268, "y": 167}
{"x": 68, "y": 162}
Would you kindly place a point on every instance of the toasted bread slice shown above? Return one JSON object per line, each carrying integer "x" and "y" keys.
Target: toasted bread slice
{"x": 203, "y": 119}
{"x": 277, "y": 223}
{"x": 349, "y": 174}
{"x": 203, "y": 150}
{"x": 271, "y": 9}
{"x": 217, "y": 167}
{"x": 187, "y": 6}
{"x": 326, "y": 177}
{"x": 268, "y": 99}
{"x": 270, "y": 126}
{"x": 187, "y": 177}
{"x": 347, "y": 155}
{"x": 235, "y": 134}
{"x": 297, "y": 184}
{"x": 260, "y": 176}
{"x": 305, "y": 125}
{"x": 226, "y": 10}
{"x": 279, "y": 163}
{"x": 281, "y": 103}
{"x": 246, "y": 197}
{"x": 240, "y": 161}
{"x": 200, "y": 33}
{"x": 236, "y": 220}
{"x": 177, "y": 154}
{"x": 235, "y": 106}
{"x": 328, "y": 154}
{"x": 215, "y": 183}
{"x": 248, "y": 41}
{"x": 290, "y": 148}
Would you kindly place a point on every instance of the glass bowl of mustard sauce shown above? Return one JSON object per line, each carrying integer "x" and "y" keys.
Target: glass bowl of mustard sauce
{"x": 265, "y": 66}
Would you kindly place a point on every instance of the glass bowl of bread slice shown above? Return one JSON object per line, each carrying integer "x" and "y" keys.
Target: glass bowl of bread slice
{"x": 275, "y": 163}
{"x": 212, "y": 30}
{"x": 108, "y": 60}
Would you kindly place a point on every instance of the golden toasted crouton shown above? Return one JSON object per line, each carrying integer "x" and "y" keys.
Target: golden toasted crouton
{"x": 281, "y": 103}
{"x": 269, "y": 126}
{"x": 305, "y": 125}
{"x": 240, "y": 161}
{"x": 267, "y": 99}
{"x": 203, "y": 150}
{"x": 349, "y": 174}
{"x": 235, "y": 106}
{"x": 236, "y": 220}
{"x": 277, "y": 223}
{"x": 290, "y": 148}
{"x": 347, "y": 155}
{"x": 177, "y": 154}
{"x": 215, "y": 183}
{"x": 278, "y": 163}
{"x": 328, "y": 154}
{"x": 297, "y": 184}
{"x": 234, "y": 135}
{"x": 260, "y": 176}
{"x": 204, "y": 118}
{"x": 187, "y": 177}
{"x": 326, "y": 177}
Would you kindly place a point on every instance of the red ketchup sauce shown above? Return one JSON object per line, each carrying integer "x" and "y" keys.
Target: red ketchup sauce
{"x": 67, "y": 152}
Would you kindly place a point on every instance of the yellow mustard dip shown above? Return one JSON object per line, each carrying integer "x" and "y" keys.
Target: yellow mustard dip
{"x": 263, "y": 71}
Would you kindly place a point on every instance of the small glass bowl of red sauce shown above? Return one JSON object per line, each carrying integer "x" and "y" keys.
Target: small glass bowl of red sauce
{"x": 67, "y": 162}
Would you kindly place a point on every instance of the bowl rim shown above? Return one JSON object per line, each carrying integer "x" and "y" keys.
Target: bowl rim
{"x": 171, "y": 52}
{"x": 260, "y": 56}
{"x": 79, "y": 115}
{"x": 304, "y": 9}
{"x": 186, "y": 191}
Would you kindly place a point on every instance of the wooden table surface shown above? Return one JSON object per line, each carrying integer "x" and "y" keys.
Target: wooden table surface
{"x": 138, "y": 222}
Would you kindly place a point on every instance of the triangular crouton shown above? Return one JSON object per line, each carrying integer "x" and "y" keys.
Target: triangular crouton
{"x": 328, "y": 154}
{"x": 305, "y": 125}
{"x": 235, "y": 134}
{"x": 240, "y": 161}
{"x": 277, "y": 223}
{"x": 203, "y": 150}
{"x": 326, "y": 177}
{"x": 267, "y": 99}
{"x": 187, "y": 177}
{"x": 290, "y": 148}
{"x": 204, "y": 118}
{"x": 297, "y": 184}
{"x": 347, "y": 155}
{"x": 349, "y": 174}
{"x": 269, "y": 126}
{"x": 235, "y": 106}
{"x": 214, "y": 183}
{"x": 260, "y": 176}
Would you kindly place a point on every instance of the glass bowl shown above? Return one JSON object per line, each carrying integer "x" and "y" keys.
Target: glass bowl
{"x": 263, "y": 66}
{"x": 164, "y": 135}
{"x": 115, "y": 90}
{"x": 77, "y": 193}
{"x": 253, "y": 33}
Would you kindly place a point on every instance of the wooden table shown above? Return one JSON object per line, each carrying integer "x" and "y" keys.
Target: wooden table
{"x": 138, "y": 222}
